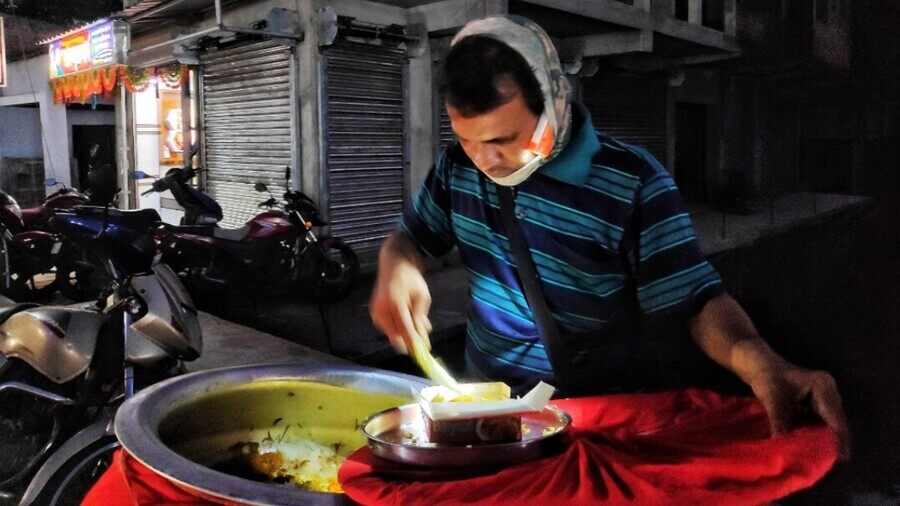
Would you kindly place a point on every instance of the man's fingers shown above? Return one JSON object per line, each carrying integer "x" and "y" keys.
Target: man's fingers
{"x": 398, "y": 344}
{"x": 396, "y": 339}
{"x": 423, "y": 327}
{"x": 405, "y": 326}
{"x": 419, "y": 306}
{"x": 779, "y": 410}
{"x": 826, "y": 402}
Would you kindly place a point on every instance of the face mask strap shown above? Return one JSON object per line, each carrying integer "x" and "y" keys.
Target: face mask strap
{"x": 541, "y": 142}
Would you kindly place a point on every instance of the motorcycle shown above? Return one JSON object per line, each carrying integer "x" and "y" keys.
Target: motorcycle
{"x": 276, "y": 245}
{"x": 37, "y": 262}
{"x": 27, "y": 255}
{"x": 65, "y": 198}
{"x": 65, "y": 369}
{"x": 76, "y": 277}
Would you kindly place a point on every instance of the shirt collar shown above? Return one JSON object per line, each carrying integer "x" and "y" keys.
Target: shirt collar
{"x": 573, "y": 164}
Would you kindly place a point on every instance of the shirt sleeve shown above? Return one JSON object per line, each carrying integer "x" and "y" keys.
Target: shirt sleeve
{"x": 673, "y": 277}
{"x": 427, "y": 220}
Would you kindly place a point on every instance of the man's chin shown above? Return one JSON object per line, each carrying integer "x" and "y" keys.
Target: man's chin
{"x": 498, "y": 173}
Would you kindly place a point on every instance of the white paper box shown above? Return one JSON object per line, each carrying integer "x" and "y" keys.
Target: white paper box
{"x": 534, "y": 400}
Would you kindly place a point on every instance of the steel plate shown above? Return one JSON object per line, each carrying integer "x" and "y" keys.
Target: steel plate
{"x": 398, "y": 434}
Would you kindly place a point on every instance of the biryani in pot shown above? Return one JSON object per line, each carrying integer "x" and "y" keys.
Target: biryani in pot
{"x": 285, "y": 432}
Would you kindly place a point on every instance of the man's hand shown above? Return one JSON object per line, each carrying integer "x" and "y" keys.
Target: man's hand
{"x": 788, "y": 392}
{"x": 725, "y": 333}
{"x": 401, "y": 300}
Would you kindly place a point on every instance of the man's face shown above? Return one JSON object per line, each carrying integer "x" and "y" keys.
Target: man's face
{"x": 496, "y": 140}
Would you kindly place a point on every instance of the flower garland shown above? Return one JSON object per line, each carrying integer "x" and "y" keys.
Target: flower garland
{"x": 173, "y": 75}
{"x": 82, "y": 86}
{"x": 136, "y": 79}
{"x": 108, "y": 77}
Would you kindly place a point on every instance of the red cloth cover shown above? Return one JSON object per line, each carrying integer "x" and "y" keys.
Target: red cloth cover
{"x": 681, "y": 447}
{"x": 128, "y": 482}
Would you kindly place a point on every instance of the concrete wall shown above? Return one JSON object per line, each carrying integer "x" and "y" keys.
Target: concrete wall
{"x": 29, "y": 83}
{"x": 20, "y": 132}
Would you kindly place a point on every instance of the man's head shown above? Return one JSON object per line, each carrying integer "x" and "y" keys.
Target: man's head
{"x": 507, "y": 96}
{"x": 494, "y": 101}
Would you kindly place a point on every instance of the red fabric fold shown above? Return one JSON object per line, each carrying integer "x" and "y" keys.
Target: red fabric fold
{"x": 683, "y": 447}
{"x": 127, "y": 482}
{"x": 680, "y": 447}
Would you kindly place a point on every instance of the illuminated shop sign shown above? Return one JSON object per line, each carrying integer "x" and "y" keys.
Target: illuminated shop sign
{"x": 90, "y": 48}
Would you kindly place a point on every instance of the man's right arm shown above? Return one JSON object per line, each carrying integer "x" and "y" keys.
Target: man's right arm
{"x": 400, "y": 299}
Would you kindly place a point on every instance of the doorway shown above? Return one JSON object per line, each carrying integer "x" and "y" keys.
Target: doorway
{"x": 690, "y": 151}
{"x": 83, "y": 138}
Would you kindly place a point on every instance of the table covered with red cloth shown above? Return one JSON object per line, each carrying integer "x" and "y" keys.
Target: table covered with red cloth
{"x": 679, "y": 447}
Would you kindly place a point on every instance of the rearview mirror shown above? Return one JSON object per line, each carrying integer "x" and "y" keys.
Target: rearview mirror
{"x": 50, "y": 181}
{"x": 261, "y": 187}
{"x": 139, "y": 174}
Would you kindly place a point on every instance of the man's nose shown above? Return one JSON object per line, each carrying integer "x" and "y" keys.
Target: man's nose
{"x": 486, "y": 156}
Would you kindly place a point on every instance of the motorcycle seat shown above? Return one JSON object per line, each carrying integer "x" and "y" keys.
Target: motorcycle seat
{"x": 202, "y": 230}
{"x": 139, "y": 219}
{"x": 231, "y": 234}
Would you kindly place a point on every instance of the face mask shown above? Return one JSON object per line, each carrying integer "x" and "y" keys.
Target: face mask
{"x": 536, "y": 152}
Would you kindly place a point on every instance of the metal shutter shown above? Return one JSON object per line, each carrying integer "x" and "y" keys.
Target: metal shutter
{"x": 247, "y": 105}
{"x": 443, "y": 132}
{"x": 364, "y": 150}
{"x": 629, "y": 108}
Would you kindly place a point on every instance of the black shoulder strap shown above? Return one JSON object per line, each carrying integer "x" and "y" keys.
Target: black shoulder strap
{"x": 531, "y": 283}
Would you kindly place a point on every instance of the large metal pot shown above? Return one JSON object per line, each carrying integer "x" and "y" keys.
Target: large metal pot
{"x": 183, "y": 425}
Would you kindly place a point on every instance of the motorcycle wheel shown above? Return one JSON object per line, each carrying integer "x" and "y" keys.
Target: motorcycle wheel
{"x": 77, "y": 278}
{"x": 71, "y": 483}
{"x": 28, "y": 427}
{"x": 336, "y": 272}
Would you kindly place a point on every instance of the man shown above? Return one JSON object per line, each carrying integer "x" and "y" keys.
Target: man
{"x": 603, "y": 223}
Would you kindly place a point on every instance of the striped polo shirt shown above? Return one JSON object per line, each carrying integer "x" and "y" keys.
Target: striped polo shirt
{"x": 607, "y": 231}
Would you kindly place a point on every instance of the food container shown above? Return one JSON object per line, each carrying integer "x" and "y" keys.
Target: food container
{"x": 199, "y": 430}
{"x": 400, "y": 435}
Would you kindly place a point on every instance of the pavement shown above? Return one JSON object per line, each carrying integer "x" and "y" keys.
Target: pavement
{"x": 228, "y": 344}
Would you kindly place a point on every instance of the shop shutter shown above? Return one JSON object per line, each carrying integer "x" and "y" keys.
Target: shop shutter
{"x": 630, "y": 108}
{"x": 445, "y": 131}
{"x": 364, "y": 150}
{"x": 247, "y": 106}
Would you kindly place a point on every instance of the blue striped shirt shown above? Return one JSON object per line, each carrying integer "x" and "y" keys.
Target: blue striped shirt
{"x": 607, "y": 231}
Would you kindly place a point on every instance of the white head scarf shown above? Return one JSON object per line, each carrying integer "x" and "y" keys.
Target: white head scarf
{"x": 532, "y": 42}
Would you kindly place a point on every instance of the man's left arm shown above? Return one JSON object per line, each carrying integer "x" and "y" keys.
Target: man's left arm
{"x": 675, "y": 281}
{"x": 724, "y": 331}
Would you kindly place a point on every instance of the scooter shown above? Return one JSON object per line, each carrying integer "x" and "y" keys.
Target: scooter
{"x": 65, "y": 369}
{"x": 276, "y": 248}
